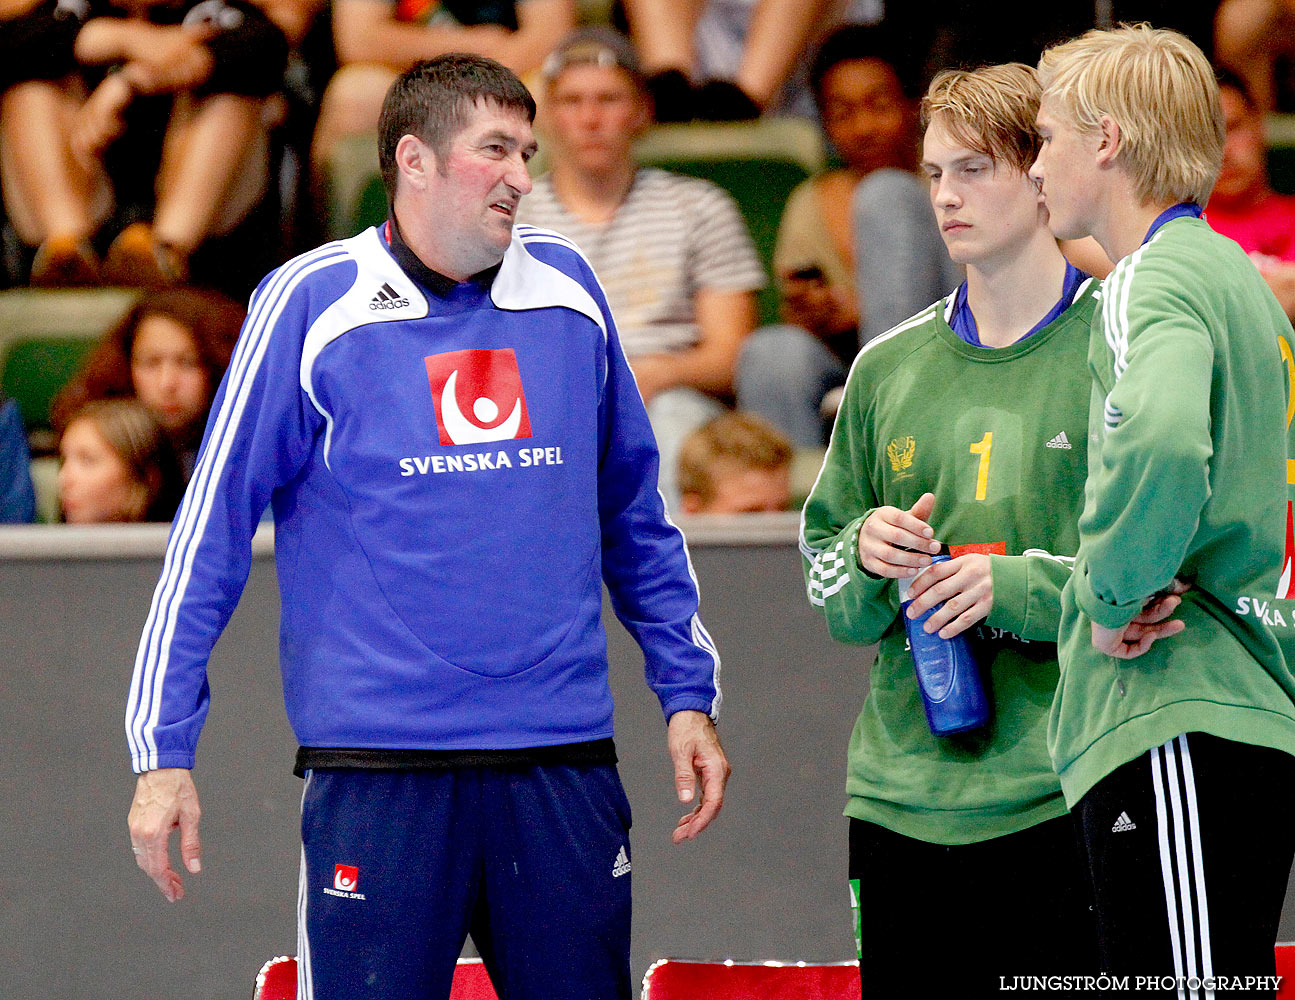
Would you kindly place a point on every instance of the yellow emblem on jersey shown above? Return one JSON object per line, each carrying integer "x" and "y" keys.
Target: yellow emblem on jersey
{"x": 900, "y": 452}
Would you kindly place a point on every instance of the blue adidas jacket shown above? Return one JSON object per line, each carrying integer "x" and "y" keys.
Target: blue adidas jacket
{"x": 452, "y": 479}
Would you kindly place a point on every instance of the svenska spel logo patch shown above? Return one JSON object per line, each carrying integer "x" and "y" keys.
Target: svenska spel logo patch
{"x": 346, "y": 878}
{"x": 478, "y": 396}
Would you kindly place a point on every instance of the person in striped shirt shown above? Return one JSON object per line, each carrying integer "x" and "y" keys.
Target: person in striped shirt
{"x": 672, "y": 252}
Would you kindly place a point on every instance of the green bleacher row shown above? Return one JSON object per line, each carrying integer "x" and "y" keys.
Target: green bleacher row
{"x": 45, "y": 335}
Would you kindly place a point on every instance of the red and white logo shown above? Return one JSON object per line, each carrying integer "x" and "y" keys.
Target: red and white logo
{"x": 1286, "y": 585}
{"x": 346, "y": 878}
{"x": 478, "y": 396}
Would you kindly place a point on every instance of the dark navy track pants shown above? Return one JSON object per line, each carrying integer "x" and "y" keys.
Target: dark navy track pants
{"x": 399, "y": 866}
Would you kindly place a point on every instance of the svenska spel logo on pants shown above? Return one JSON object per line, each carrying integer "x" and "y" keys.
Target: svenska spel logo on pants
{"x": 346, "y": 878}
{"x": 478, "y": 396}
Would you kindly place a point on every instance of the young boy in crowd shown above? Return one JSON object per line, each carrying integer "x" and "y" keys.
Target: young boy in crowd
{"x": 964, "y": 426}
{"x": 735, "y": 464}
{"x": 1173, "y": 739}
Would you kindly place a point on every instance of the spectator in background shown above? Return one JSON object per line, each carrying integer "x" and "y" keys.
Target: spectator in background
{"x": 672, "y": 252}
{"x": 871, "y": 216}
{"x": 117, "y": 464}
{"x": 153, "y": 107}
{"x": 378, "y": 39}
{"x": 736, "y": 464}
{"x": 1253, "y": 38}
{"x": 17, "y": 498}
{"x": 746, "y": 56}
{"x": 1242, "y": 206}
{"x": 170, "y": 352}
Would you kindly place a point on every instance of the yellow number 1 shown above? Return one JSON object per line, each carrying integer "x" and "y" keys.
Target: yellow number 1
{"x": 1288, "y": 358}
{"x": 981, "y": 448}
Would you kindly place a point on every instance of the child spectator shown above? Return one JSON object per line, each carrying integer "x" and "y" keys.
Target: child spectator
{"x": 117, "y": 465}
{"x": 378, "y": 39}
{"x": 103, "y": 98}
{"x": 736, "y": 464}
{"x": 1242, "y": 206}
{"x": 17, "y": 498}
{"x": 170, "y": 351}
{"x": 672, "y": 252}
{"x": 876, "y": 204}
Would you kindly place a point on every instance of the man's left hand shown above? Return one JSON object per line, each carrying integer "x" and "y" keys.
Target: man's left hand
{"x": 965, "y": 586}
{"x": 698, "y": 761}
{"x": 1136, "y": 637}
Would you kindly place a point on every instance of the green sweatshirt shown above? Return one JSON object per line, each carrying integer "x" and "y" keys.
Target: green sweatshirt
{"x": 1187, "y": 455}
{"x": 997, "y": 435}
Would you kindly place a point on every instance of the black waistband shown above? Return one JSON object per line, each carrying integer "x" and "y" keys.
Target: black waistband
{"x": 589, "y": 752}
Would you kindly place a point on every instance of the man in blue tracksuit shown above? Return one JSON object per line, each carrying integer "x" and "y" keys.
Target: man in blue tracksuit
{"x": 441, "y": 416}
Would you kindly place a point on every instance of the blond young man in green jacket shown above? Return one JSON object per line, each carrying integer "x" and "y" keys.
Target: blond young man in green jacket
{"x": 1173, "y": 738}
{"x": 964, "y": 426}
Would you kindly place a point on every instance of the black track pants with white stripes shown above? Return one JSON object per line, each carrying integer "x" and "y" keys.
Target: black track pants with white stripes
{"x": 1189, "y": 847}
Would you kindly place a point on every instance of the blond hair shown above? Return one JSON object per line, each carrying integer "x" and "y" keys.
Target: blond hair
{"x": 1161, "y": 91}
{"x": 991, "y": 110}
{"x": 735, "y": 438}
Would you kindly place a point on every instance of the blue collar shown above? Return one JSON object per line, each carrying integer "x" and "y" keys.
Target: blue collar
{"x": 1179, "y": 211}
{"x": 964, "y": 324}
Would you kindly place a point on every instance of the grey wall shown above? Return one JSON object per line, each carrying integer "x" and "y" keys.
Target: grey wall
{"x": 79, "y": 921}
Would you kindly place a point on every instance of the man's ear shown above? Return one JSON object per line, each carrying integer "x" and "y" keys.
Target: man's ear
{"x": 1108, "y": 139}
{"x": 690, "y": 503}
{"x": 644, "y": 114}
{"x": 414, "y": 161}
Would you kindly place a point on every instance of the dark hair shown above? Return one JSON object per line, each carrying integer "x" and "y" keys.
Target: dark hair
{"x": 431, "y": 101}
{"x": 1234, "y": 81}
{"x": 865, "y": 41}
{"x": 211, "y": 319}
{"x": 144, "y": 448}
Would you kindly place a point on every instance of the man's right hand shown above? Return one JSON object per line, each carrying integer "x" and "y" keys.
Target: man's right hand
{"x": 888, "y": 533}
{"x": 164, "y": 800}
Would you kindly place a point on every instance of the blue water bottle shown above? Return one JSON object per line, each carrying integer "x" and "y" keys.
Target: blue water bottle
{"x": 947, "y": 675}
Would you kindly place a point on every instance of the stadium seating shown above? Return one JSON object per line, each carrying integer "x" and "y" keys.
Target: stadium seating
{"x": 1286, "y": 970}
{"x": 1280, "y": 131}
{"x": 277, "y": 980}
{"x": 44, "y": 337}
{"x": 758, "y": 163}
{"x": 676, "y": 979}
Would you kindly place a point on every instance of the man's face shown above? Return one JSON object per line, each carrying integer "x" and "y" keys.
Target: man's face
{"x": 985, "y": 210}
{"x": 1066, "y": 171}
{"x": 1245, "y": 163}
{"x": 474, "y": 189}
{"x": 867, "y": 116}
{"x": 595, "y": 113}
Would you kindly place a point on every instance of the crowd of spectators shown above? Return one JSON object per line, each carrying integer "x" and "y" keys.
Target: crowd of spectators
{"x": 169, "y": 352}
{"x": 672, "y": 252}
{"x": 184, "y": 145}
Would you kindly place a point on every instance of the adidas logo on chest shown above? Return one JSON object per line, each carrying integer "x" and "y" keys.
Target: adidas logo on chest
{"x": 387, "y": 298}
